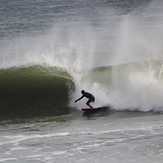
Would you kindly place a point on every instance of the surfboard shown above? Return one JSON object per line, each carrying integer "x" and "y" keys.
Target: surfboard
{"x": 88, "y": 109}
{"x": 91, "y": 111}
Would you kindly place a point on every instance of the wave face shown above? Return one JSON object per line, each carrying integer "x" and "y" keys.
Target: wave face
{"x": 39, "y": 91}
{"x": 33, "y": 92}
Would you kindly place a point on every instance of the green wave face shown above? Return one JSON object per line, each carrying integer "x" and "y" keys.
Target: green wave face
{"x": 33, "y": 91}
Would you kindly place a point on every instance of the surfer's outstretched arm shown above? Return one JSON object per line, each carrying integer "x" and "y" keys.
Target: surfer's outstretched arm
{"x": 79, "y": 99}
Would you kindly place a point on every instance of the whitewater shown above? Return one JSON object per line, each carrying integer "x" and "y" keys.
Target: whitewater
{"x": 51, "y": 50}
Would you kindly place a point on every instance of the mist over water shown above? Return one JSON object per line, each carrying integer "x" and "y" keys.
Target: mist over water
{"x": 80, "y": 41}
{"x": 140, "y": 35}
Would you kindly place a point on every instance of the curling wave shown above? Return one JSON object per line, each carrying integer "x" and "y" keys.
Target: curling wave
{"x": 40, "y": 91}
{"x": 33, "y": 91}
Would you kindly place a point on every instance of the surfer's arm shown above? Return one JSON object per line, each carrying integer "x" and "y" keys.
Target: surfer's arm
{"x": 79, "y": 99}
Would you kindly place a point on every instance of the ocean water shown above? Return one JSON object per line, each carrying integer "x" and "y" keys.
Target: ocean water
{"x": 51, "y": 50}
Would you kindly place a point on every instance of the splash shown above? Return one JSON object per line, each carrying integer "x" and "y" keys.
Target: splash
{"x": 137, "y": 37}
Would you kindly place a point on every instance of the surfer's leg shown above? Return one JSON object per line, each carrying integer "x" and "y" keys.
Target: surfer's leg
{"x": 89, "y": 102}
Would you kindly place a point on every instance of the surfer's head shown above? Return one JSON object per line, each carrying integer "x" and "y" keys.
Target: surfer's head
{"x": 82, "y": 91}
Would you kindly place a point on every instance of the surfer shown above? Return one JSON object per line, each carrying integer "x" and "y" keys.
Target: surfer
{"x": 87, "y": 95}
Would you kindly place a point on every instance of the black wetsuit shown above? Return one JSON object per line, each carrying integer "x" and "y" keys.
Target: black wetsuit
{"x": 89, "y": 96}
